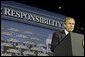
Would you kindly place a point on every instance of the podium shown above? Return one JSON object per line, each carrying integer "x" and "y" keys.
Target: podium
{"x": 70, "y": 46}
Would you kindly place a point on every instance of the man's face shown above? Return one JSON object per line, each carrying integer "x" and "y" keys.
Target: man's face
{"x": 69, "y": 25}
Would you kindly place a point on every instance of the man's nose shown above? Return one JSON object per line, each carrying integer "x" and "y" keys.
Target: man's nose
{"x": 72, "y": 25}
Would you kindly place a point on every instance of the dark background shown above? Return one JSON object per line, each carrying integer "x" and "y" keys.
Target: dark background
{"x": 72, "y": 8}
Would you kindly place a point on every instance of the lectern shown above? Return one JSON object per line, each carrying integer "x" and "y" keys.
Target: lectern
{"x": 70, "y": 46}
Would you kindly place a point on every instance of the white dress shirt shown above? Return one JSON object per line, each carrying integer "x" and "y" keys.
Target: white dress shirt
{"x": 66, "y": 32}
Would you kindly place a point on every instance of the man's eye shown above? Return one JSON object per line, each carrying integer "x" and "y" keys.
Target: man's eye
{"x": 73, "y": 24}
{"x": 69, "y": 23}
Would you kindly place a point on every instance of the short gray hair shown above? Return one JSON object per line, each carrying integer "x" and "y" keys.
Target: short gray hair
{"x": 67, "y": 18}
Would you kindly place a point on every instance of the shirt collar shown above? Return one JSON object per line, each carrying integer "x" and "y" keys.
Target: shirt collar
{"x": 66, "y": 32}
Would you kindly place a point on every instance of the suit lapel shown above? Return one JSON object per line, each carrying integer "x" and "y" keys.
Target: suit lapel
{"x": 63, "y": 35}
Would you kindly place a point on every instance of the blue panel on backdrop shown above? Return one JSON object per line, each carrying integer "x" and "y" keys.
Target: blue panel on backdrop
{"x": 24, "y": 33}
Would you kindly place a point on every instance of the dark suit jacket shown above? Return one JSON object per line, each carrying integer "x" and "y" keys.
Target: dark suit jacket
{"x": 56, "y": 38}
{"x": 60, "y": 44}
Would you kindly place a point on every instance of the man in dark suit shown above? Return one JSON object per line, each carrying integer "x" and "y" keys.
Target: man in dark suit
{"x": 59, "y": 36}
